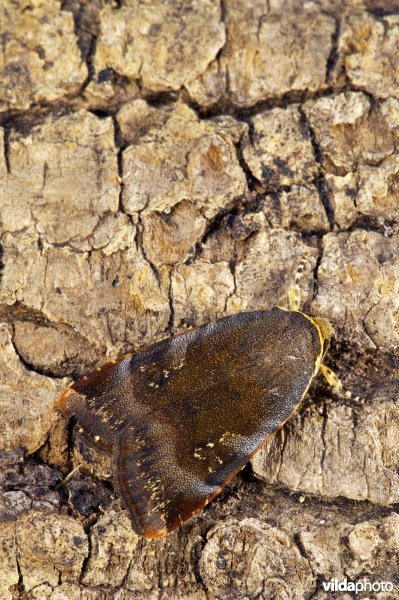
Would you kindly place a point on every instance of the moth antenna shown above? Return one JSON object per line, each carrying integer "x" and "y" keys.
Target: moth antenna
{"x": 294, "y": 292}
{"x": 67, "y": 478}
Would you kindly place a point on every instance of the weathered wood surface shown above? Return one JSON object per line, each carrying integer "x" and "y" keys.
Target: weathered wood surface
{"x": 164, "y": 164}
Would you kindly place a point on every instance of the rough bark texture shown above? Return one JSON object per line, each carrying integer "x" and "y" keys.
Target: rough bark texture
{"x": 166, "y": 163}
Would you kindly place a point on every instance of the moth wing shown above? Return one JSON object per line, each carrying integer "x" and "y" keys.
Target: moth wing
{"x": 239, "y": 382}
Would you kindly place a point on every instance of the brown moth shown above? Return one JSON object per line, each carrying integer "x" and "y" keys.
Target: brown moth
{"x": 183, "y": 416}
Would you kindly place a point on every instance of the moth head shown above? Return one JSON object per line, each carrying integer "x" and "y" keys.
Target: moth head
{"x": 325, "y": 327}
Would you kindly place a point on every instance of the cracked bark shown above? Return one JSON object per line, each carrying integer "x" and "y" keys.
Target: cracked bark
{"x": 159, "y": 170}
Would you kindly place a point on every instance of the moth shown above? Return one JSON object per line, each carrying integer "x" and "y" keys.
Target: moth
{"x": 183, "y": 416}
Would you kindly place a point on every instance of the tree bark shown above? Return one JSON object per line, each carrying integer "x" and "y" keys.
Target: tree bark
{"x": 166, "y": 164}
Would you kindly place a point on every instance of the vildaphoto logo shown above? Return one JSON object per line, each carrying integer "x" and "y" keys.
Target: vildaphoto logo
{"x": 345, "y": 585}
